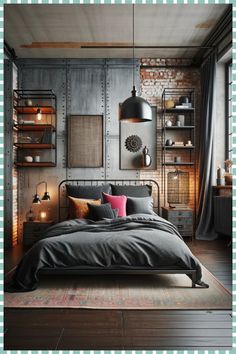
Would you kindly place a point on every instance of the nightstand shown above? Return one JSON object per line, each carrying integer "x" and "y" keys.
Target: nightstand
{"x": 181, "y": 218}
{"x": 33, "y": 231}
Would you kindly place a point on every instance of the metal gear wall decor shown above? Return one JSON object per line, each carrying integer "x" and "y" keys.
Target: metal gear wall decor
{"x": 133, "y": 143}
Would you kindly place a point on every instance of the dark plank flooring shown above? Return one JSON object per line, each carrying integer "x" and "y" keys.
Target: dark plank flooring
{"x": 51, "y": 329}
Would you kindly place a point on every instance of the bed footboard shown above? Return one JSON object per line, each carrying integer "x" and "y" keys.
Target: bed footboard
{"x": 97, "y": 271}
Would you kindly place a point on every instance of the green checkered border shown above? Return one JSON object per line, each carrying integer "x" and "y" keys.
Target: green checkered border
{"x": 2, "y": 2}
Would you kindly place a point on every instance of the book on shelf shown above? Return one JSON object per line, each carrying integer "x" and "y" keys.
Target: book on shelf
{"x": 47, "y": 137}
{"x": 183, "y": 106}
{"x": 178, "y": 143}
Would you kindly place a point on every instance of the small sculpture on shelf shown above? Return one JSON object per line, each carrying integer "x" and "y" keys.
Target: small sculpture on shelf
{"x": 169, "y": 142}
{"x": 168, "y": 123}
{"x": 189, "y": 143}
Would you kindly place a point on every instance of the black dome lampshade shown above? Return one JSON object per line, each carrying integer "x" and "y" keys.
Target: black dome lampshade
{"x": 46, "y": 196}
{"x": 36, "y": 199}
{"x": 135, "y": 109}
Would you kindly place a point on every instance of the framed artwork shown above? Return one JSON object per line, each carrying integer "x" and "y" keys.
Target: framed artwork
{"x": 135, "y": 139}
{"x": 85, "y": 141}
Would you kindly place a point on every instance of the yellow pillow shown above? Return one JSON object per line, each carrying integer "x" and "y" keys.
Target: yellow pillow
{"x": 79, "y": 207}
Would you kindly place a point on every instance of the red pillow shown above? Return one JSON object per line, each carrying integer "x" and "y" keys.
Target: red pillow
{"x": 117, "y": 202}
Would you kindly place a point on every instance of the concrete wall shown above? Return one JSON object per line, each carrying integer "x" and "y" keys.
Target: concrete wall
{"x": 219, "y": 112}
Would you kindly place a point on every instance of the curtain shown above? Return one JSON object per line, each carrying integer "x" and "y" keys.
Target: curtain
{"x": 205, "y": 230}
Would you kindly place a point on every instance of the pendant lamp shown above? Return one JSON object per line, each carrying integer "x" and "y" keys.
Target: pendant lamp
{"x": 135, "y": 109}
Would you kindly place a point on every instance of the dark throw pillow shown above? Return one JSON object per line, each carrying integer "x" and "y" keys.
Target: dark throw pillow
{"x": 98, "y": 212}
{"x": 132, "y": 191}
{"x": 140, "y": 206}
{"x": 87, "y": 192}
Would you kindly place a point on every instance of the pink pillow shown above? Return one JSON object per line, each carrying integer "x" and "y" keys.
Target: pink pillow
{"x": 117, "y": 202}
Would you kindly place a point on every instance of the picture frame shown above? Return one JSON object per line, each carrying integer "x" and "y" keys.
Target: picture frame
{"x": 85, "y": 141}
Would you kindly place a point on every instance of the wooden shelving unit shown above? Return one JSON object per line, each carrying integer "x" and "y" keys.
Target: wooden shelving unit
{"x": 34, "y": 127}
{"x": 178, "y": 164}
{"x": 34, "y": 146}
{"x": 33, "y": 109}
{"x": 36, "y": 133}
{"x": 35, "y": 164}
{"x": 178, "y": 147}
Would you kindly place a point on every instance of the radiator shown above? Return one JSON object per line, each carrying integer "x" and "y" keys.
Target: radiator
{"x": 223, "y": 214}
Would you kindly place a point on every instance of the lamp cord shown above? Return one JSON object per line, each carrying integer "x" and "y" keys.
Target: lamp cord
{"x": 133, "y": 45}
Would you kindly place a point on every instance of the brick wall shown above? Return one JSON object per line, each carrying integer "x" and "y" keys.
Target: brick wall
{"x": 14, "y": 176}
{"x": 169, "y": 73}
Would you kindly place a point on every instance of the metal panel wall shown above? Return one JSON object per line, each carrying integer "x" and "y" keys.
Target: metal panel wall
{"x": 93, "y": 86}
{"x": 119, "y": 82}
{"x": 85, "y": 95}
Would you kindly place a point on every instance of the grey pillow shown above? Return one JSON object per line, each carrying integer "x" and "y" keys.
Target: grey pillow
{"x": 87, "y": 192}
{"x": 139, "y": 206}
{"x": 98, "y": 212}
{"x": 132, "y": 191}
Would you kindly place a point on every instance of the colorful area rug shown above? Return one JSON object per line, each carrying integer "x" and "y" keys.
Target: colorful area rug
{"x": 123, "y": 292}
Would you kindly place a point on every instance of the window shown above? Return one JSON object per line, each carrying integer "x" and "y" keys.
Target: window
{"x": 228, "y": 112}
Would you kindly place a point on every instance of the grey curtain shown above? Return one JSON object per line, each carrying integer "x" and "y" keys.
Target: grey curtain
{"x": 205, "y": 230}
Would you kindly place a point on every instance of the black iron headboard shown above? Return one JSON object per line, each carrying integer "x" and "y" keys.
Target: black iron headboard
{"x": 63, "y": 202}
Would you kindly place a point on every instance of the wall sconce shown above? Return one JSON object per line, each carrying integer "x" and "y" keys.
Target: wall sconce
{"x": 46, "y": 196}
{"x": 178, "y": 188}
{"x": 39, "y": 114}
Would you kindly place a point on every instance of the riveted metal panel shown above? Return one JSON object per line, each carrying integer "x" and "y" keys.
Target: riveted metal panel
{"x": 113, "y": 170}
{"x": 86, "y": 95}
{"x": 93, "y": 86}
{"x": 119, "y": 82}
{"x": 85, "y": 92}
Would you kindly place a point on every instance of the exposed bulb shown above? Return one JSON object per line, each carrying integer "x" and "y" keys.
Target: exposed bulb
{"x": 39, "y": 114}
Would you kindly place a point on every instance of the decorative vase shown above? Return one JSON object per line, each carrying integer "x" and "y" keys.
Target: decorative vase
{"x": 169, "y": 142}
{"x": 147, "y": 160}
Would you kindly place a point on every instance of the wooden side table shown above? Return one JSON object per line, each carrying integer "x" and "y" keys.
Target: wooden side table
{"x": 33, "y": 231}
{"x": 181, "y": 218}
{"x": 222, "y": 190}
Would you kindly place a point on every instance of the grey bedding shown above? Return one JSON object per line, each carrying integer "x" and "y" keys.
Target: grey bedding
{"x": 135, "y": 241}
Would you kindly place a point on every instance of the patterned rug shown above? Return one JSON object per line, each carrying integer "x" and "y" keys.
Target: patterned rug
{"x": 123, "y": 292}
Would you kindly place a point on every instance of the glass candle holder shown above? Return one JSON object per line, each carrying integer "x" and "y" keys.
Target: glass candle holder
{"x": 42, "y": 216}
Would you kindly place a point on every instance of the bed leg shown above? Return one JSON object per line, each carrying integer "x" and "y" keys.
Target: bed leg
{"x": 194, "y": 279}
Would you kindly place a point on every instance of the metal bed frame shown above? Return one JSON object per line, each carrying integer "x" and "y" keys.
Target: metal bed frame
{"x": 63, "y": 206}
{"x": 63, "y": 202}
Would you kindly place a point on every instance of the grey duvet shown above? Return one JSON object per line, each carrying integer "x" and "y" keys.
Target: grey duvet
{"x": 135, "y": 241}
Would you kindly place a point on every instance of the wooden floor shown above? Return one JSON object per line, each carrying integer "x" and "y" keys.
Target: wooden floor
{"x": 51, "y": 329}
